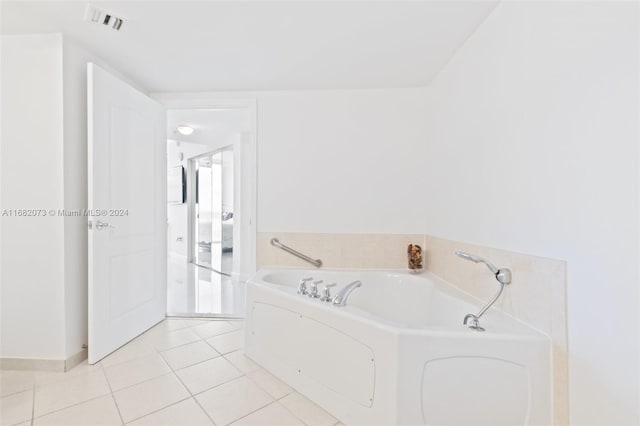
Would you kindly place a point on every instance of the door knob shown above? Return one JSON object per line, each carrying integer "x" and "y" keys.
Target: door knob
{"x": 99, "y": 225}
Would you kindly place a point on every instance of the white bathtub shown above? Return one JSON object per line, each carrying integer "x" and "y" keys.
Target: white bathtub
{"x": 398, "y": 353}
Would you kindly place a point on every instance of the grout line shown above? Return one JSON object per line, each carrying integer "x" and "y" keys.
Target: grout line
{"x": 64, "y": 379}
{"x": 72, "y": 405}
{"x": 152, "y": 347}
{"x": 275, "y": 401}
{"x": 162, "y": 375}
{"x": 159, "y": 409}
{"x": 197, "y": 363}
{"x": 218, "y": 385}
{"x": 75, "y": 404}
{"x": 113, "y": 397}
{"x": 171, "y": 369}
{"x": 166, "y": 373}
{"x": 225, "y": 353}
{"x": 291, "y": 411}
{"x": 189, "y": 391}
{"x": 102, "y": 368}
{"x": 221, "y": 334}
{"x": 298, "y": 417}
{"x": 206, "y": 413}
{"x": 15, "y": 393}
{"x": 33, "y": 400}
{"x": 264, "y": 389}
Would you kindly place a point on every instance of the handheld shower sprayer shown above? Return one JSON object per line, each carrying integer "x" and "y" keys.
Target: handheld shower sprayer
{"x": 503, "y": 275}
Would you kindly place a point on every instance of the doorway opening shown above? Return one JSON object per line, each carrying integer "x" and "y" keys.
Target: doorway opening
{"x": 211, "y": 193}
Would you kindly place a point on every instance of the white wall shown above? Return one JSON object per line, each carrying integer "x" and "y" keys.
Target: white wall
{"x": 335, "y": 160}
{"x": 75, "y": 194}
{"x": 177, "y": 214}
{"x": 32, "y": 264}
{"x": 532, "y": 136}
{"x": 341, "y": 161}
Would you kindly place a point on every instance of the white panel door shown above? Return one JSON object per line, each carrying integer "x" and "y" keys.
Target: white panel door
{"x": 127, "y": 196}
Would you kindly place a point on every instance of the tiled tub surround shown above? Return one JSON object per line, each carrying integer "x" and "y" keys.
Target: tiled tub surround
{"x": 366, "y": 251}
{"x": 181, "y": 372}
{"x": 536, "y": 296}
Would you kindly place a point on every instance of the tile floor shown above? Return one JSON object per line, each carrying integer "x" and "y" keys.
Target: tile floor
{"x": 182, "y": 372}
{"x": 193, "y": 291}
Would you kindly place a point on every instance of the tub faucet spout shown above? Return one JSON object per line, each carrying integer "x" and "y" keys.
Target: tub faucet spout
{"x": 343, "y": 295}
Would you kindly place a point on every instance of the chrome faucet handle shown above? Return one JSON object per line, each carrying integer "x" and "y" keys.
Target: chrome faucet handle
{"x": 326, "y": 292}
{"x": 302, "y": 286}
{"x": 314, "y": 289}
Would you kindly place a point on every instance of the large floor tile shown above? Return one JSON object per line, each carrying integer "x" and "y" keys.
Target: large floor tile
{"x": 233, "y": 400}
{"x": 237, "y": 324}
{"x": 241, "y": 361}
{"x": 307, "y": 411}
{"x": 208, "y": 374}
{"x": 43, "y": 378}
{"x": 170, "y": 324}
{"x": 71, "y": 391}
{"x": 128, "y": 352}
{"x": 227, "y": 342}
{"x": 144, "y": 398}
{"x": 97, "y": 412}
{"x": 213, "y": 328}
{"x": 172, "y": 339}
{"x": 15, "y": 381}
{"x": 193, "y": 322}
{"x": 16, "y": 408}
{"x": 135, "y": 371}
{"x": 185, "y": 413}
{"x": 274, "y": 386}
{"x": 192, "y": 353}
{"x": 271, "y": 415}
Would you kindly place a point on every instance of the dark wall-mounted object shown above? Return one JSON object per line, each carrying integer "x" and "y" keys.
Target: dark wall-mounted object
{"x": 176, "y": 185}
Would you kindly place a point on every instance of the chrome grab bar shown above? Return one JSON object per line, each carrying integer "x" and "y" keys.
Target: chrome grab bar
{"x": 315, "y": 262}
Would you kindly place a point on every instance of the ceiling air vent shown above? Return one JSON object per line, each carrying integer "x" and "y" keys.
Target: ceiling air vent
{"x": 101, "y": 16}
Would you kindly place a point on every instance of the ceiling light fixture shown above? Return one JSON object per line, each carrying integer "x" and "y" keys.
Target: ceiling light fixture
{"x": 185, "y": 130}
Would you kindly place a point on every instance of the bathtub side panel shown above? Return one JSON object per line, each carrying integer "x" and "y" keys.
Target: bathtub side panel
{"x": 473, "y": 379}
{"x": 348, "y": 367}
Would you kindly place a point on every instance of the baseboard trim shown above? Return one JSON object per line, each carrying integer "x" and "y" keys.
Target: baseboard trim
{"x": 38, "y": 364}
{"x": 32, "y": 364}
{"x": 74, "y": 360}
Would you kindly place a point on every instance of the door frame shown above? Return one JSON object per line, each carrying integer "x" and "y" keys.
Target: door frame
{"x": 248, "y": 182}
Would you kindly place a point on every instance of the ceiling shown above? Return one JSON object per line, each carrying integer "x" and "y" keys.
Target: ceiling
{"x": 174, "y": 46}
{"x": 212, "y": 127}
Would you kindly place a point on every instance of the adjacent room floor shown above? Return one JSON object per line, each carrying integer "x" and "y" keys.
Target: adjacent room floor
{"x": 195, "y": 291}
{"x": 181, "y": 372}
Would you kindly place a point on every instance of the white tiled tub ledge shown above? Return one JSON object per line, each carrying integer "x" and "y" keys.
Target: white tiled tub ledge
{"x": 182, "y": 372}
